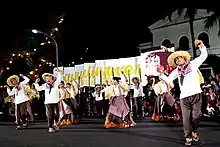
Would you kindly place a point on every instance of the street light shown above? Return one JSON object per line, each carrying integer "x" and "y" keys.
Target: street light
{"x": 57, "y": 53}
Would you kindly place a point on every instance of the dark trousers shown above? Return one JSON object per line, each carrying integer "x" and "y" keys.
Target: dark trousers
{"x": 52, "y": 112}
{"x": 139, "y": 106}
{"x": 99, "y": 107}
{"x": 191, "y": 112}
{"x": 35, "y": 103}
{"x": 21, "y": 112}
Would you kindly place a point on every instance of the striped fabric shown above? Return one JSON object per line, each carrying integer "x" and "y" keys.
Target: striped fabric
{"x": 119, "y": 107}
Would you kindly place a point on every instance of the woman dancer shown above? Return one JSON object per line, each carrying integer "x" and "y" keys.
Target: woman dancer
{"x": 118, "y": 110}
{"x": 65, "y": 111}
{"x": 164, "y": 101}
{"x": 72, "y": 88}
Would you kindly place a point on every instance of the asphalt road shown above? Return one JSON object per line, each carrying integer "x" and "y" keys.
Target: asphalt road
{"x": 91, "y": 133}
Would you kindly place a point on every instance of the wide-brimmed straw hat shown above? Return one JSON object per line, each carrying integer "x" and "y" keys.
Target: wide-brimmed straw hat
{"x": 10, "y": 78}
{"x": 172, "y": 57}
{"x": 98, "y": 86}
{"x": 47, "y": 74}
{"x": 135, "y": 78}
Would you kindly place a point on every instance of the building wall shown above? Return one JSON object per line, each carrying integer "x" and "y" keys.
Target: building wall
{"x": 175, "y": 32}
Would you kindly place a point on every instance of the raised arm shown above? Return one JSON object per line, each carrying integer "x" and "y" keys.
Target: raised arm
{"x": 75, "y": 87}
{"x": 197, "y": 62}
{"x": 124, "y": 83}
{"x": 59, "y": 78}
{"x": 26, "y": 80}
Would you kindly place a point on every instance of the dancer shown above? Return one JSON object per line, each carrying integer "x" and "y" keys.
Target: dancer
{"x": 99, "y": 97}
{"x": 65, "y": 110}
{"x": 164, "y": 100}
{"x": 189, "y": 82}
{"x": 21, "y": 98}
{"x": 72, "y": 88}
{"x": 119, "y": 110}
{"x": 137, "y": 96}
{"x": 29, "y": 104}
{"x": 51, "y": 98}
{"x": 34, "y": 97}
{"x": 106, "y": 99}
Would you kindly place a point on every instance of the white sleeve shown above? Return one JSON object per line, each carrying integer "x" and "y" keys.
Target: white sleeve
{"x": 197, "y": 62}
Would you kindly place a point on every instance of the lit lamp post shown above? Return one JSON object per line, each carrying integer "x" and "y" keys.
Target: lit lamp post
{"x": 57, "y": 53}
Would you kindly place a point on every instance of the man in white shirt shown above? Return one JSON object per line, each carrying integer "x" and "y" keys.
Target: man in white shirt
{"x": 99, "y": 97}
{"x": 189, "y": 82}
{"x": 51, "y": 97}
{"x": 21, "y": 98}
{"x": 138, "y": 95}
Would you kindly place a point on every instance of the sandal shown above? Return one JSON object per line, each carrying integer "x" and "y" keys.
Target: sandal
{"x": 188, "y": 142}
{"x": 19, "y": 128}
{"x": 195, "y": 137}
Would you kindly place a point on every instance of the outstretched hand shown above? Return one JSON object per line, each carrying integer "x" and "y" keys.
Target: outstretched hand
{"x": 21, "y": 75}
{"x": 160, "y": 69}
{"x": 198, "y": 42}
{"x": 37, "y": 80}
{"x": 6, "y": 86}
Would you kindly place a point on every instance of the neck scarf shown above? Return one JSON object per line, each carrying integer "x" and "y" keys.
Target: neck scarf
{"x": 184, "y": 70}
{"x": 137, "y": 85}
{"x": 98, "y": 93}
{"x": 49, "y": 85}
{"x": 18, "y": 87}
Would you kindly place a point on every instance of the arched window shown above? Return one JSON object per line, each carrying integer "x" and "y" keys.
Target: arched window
{"x": 184, "y": 43}
{"x": 166, "y": 43}
{"x": 205, "y": 38}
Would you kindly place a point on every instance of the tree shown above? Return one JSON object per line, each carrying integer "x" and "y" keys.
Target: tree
{"x": 190, "y": 13}
{"x": 213, "y": 19}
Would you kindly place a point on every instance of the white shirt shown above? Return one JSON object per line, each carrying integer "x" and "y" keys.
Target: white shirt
{"x": 98, "y": 97}
{"x": 138, "y": 91}
{"x": 191, "y": 82}
{"x": 160, "y": 88}
{"x": 20, "y": 95}
{"x": 53, "y": 96}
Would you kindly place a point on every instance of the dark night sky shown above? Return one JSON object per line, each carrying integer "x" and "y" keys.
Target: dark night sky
{"x": 112, "y": 33}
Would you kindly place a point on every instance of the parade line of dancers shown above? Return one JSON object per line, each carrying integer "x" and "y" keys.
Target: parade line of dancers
{"x": 62, "y": 107}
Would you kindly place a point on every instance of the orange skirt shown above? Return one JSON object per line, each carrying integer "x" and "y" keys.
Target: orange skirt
{"x": 109, "y": 124}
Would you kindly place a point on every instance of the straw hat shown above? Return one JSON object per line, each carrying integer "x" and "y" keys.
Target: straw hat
{"x": 172, "y": 57}
{"x": 12, "y": 77}
{"x": 98, "y": 86}
{"x": 135, "y": 78}
{"x": 47, "y": 74}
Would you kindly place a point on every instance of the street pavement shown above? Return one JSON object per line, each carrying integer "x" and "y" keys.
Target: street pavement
{"x": 91, "y": 133}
